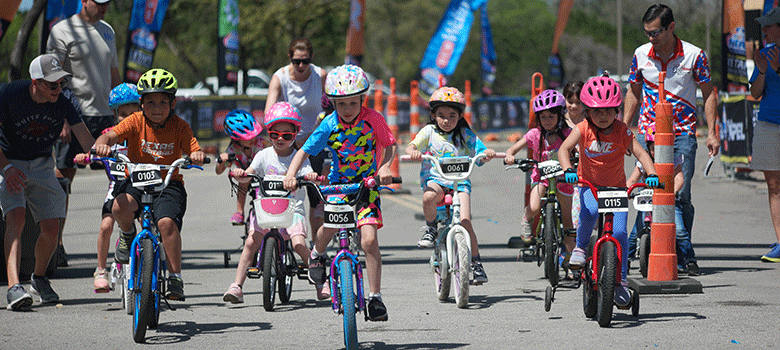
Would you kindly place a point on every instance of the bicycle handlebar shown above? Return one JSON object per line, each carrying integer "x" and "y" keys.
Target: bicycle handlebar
{"x": 184, "y": 162}
{"x": 437, "y": 163}
{"x": 359, "y": 188}
{"x": 594, "y": 189}
{"x": 527, "y": 164}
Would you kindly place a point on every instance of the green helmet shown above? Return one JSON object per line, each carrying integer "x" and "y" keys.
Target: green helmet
{"x": 157, "y": 80}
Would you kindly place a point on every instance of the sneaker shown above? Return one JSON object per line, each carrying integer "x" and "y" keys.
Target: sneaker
{"x": 323, "y": 291}
{"x": 681, "y": 269}
{"x": 526, "y": 234}
{"x": 693, "y": 269}
{"x": 622, "y": 294}
{"x": 577, "y": 259}
{"x": 376, "y": 310}
{"x": 175, "y": 290}
{"x": 773, "y": 255}
{"x": 479, "y": 272}
{"x": 101, "y": 281}
{"x": 18, "y": 298}
{"x": 234, "y": 294}
{"x": 122, "y": 254}
{"x": 317, "y": 270}
{"x": 237, "y": 218}
{"x": 41, "y": 287}
{"x": 62, "y": 257}
{"x": 428, "y": 238}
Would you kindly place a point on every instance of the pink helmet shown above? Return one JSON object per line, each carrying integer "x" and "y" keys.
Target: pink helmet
{"x": 650, "y": 133}
{"x": 601, "y": 92}
{"x": 283, "y": 112}
{"x": 548, "y": 99}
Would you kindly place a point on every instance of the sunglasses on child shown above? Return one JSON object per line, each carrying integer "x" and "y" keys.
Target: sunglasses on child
{"x": 55, "y": 85}
{"x": 287, "y": 136}
{"x": 296, "y": 61}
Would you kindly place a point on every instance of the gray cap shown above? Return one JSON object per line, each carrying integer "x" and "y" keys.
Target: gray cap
{"x": 47, "y": 67}
{"x": 770, "y": 18}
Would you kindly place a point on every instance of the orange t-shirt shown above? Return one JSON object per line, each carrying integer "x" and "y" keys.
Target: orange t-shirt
{"x": 601, "y": 161}
{"x": 156, "y": 146}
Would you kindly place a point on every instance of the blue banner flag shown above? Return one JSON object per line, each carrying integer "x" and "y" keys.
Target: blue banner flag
{"x": 448, "y": 42}
{"x": 145, "y": 22}
{"x": 57, "y": 10}
{"x": 487, "y": 54}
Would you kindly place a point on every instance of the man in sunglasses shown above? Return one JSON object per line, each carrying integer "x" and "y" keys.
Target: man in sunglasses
{"x": 32, "y": 114}
{"x": 686, "y": 68}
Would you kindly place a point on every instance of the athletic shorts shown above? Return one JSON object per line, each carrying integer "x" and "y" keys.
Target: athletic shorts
{"x": 108, "y": 206}
{"x": 44, "y": 194}
{"x": 368, "y": 208}
{"x": 65, "y": 152}
{"x": 170, "y": 203}
{"x": 316, "y": 162}
{"x": 766, "y": 146}
{"x": 298, "y": 227}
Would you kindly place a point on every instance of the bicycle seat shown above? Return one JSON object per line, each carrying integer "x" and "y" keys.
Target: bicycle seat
{"x": 446, "y": 200}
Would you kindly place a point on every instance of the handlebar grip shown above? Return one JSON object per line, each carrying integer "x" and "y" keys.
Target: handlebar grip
{"x": 500, "y": 155}
{"x": 406, "y": 157}
{"x": 397, "y": 180}
{"x": 206, "y": 160}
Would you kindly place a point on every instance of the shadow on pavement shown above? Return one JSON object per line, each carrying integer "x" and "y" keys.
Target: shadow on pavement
{"x": 382, "y": 345}
{"x": 181, "y": 331}
{"x": 477, "y": 302}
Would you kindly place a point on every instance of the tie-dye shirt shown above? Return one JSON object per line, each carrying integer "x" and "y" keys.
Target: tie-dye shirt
{"x": 432, "y": 142}
{"x": 355, "y": 148}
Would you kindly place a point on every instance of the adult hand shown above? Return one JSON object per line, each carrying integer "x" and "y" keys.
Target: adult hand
{"x": 14, "y": 180}
{"x": 65, "y": 133}
{"x": 760, "y": 61}
{"x": 773, "y": 56}
{"x": 713, "y": 144}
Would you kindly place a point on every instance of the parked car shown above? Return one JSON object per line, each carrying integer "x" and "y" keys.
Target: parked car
{"x": 258, "y": 81}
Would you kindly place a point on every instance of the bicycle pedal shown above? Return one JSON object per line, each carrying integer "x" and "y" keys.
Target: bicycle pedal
{"x": 253, "y": 273}
{"x": 627, "y": 307}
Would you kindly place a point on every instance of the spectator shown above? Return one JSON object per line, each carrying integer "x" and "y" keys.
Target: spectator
{"x": 686, "y": 67}
{"x": 32, "y": 114}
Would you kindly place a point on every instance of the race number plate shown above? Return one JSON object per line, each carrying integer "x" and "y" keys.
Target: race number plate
{"x": 455, "y": 165}
{"x": 550, "y": 168}
{"x": 339, "y": 216}
{"x": 118, "y": 170}
{"x": 613, "y": 201}
{"x": 273, "y": 185}
{"x": 644, "y": 200}
{"x": 146, "y": 175}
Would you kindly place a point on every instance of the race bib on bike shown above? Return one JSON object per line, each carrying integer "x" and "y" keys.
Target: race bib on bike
{"x": 273, "y": 186}
{"x": 118, "y": 170}
{"x": 613, "y": 201}
{"x": 550, "y": 168}
{"x": 146, "y": 175}
{"x": 644, "y": 200}
{"x": 455, "y": 165}
{"x": 339, "y": 216}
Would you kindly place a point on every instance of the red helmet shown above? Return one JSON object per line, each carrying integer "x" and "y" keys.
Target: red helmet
{"x": 601, "y": 92}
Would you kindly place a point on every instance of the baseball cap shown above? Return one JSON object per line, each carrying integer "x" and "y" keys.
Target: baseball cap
{"x": 770, "y": 18}
{"x": 101, "y": 1}
{"x": 47, "y": 67}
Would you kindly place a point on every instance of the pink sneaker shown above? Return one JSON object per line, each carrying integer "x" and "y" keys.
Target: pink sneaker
{"x": 237, "y": 218}
{"x": 323, "y": 291}
{"x": 234, "y": 294}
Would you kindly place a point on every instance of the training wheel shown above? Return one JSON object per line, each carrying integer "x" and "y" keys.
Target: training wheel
{"x": 634, "y": 303}
{"x": 548, "y": 298}
{"x": 227, "y": 258}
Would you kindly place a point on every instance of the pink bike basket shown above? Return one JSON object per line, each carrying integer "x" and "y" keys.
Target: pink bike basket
{"x": 274, "y": 212}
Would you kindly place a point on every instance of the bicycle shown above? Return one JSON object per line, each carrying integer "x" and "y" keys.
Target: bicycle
{"x": 274, "y": 261}
{"x": 346, "y": 293}
{"x": 643, "y": 203}
{"x": 148, "y": 271}
{"x": 452, "y": 250}
{"x": 234, "y": 189}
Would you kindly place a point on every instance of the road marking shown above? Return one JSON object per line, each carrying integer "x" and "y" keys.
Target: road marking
{"x": 405, "y": 200}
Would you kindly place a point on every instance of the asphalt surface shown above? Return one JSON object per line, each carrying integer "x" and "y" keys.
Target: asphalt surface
{"x": 732, "y": 230}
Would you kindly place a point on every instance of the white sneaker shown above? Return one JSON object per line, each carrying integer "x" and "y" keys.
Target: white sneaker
{"x": 526, "y": 234}
{"x": 577, "y": 259}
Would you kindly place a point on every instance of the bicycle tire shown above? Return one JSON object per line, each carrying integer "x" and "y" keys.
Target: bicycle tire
{"x": 286, "y": 281}
{"x": 442, "y": 277}
{"x": 143, "y": 296}
{"x": 588, "y": 297}
{"x": 127, "y": 295}
{"x": 606, "y": 293}
{"x": 644, "y": 253}
{"x": 270, "y": 254}
{"x": 347, "y": 299}
{"x": 154, "y": 320}
{"x": 461, "y": 267}
{"x": 550, "y": 244}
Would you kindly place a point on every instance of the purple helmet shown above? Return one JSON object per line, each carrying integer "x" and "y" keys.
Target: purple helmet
{"x": 548, "y": 99}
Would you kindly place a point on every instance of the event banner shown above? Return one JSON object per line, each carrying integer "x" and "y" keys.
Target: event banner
{"x": 7, "y": 12}
{"x": 57, "y": 10}
{"x": 355, "y": 43}
{"x": 733, "y": 69}
{"x": 447, "y": 44}
{"x": 487, "y": 54}
{"x": 228, "y": 47}
{"x": 554, "y": 62}
{"x": 145, "y": 22}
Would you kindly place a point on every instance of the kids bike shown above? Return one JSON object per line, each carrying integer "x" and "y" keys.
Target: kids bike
{"x": 234, "y": 190}
{"x": 451, "y": 258}
{"x": 346, "y": 272}
{"x": 275, "y": 261}
{"x": 643, "y": 203}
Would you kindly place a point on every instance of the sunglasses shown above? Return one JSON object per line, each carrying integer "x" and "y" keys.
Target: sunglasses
{"x": 654, "y": 33}
{"x": 296, "y": 61}
{"x": 55, "y": 85}
{"x": 287, "y": 136}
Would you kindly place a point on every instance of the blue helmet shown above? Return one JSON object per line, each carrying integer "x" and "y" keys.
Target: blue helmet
{"x": 241, "y": 125}
{"x": 123, "y": 94}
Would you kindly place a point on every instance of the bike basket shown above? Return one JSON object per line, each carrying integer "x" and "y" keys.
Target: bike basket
{"x": 455, "y": 165}
{"x": 613, "y": 201}
{"x": 143, "y": 175}
{"x": 550, "y": 168}
{"x": 644, "y": 200}
{"x": 339, "y": 216}
{"x": 274, "y": 212}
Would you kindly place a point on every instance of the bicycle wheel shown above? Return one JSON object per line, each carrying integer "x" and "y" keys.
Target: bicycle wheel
{"x": 347, "y": 296}
{"x": 588, "y": 297}
{"x": 606, "y": 293}
{"x": 644, "y": 253}
{"x": 154, "y": 320}
{"x": 286, "y": 281}
{"x": 550, "y": 244}
{"x": 442, "y": 278}
{"x": 127, "y": 294}
{"x": 143, "y": 292}
{"x": 461, "y": 266}
{"x": 269, "y": 273}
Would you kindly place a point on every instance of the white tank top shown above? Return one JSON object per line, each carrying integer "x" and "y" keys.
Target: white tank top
{"x": 306, "y": 95}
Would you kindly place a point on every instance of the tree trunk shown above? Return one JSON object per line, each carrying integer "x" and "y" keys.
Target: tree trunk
{"x": 20, "y": 46}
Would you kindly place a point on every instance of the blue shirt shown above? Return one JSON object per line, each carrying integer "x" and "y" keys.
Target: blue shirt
{"x": 769, "y": 107}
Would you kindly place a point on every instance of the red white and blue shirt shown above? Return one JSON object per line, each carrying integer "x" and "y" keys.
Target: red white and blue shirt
{"x": 685, "y": 70}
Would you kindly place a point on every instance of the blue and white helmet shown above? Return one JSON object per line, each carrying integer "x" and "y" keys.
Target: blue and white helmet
{"x": 123, "y": 94}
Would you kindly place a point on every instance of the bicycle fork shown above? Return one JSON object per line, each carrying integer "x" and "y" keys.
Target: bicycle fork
{"x": 608, "y": 218}
{"x": 335, "y": 284}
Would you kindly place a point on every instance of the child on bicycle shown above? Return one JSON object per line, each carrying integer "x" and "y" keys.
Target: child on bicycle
{"x": 245, "y": 143}
{"x": 603, "y": 140}
{"x": 354, "y": 135}
{"x": 447, "y": 135}
{"x": 124, "y": 100}
{"x": 544, "y": 142}
{"x": 154, "y": 135}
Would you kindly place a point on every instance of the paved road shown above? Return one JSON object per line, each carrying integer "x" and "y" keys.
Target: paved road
{"x": 739, "y": 303}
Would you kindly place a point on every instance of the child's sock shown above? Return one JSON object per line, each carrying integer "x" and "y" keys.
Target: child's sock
{"x": 431, "y": 224}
